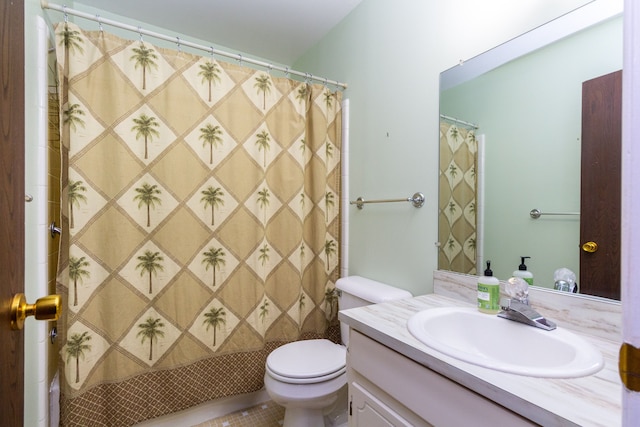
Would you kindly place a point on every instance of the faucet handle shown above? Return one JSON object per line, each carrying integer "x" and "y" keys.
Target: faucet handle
{"x": 521, "y": 312}
{"x": 512, "y": 303}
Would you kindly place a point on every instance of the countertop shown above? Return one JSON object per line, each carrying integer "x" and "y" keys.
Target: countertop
{"x": 595, "y": 400}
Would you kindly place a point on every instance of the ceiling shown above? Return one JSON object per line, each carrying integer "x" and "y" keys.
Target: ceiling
{"x": 275, "y": 30}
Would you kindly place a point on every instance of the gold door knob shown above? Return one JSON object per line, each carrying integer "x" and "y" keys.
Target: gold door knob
{"x": 590, "y": 247}
{"x": 45, "y": 308}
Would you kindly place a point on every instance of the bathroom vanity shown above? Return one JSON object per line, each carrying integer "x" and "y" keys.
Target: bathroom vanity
{"x": 405, "y": 393}
{"x": 394, "y": 379}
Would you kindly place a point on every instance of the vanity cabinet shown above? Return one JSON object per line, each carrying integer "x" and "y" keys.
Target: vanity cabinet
{"x": 389, "y": 389}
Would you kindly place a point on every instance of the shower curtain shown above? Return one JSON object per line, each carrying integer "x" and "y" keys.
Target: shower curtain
{"x": 201, "y": 225}
{"x": 457, "y": 201}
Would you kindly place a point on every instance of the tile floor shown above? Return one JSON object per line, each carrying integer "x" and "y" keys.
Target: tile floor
{"x": 267, "y": 414}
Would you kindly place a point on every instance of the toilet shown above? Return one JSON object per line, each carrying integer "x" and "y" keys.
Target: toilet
{"x": 306, "y": 377}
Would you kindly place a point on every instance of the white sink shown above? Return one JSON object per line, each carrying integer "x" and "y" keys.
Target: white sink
{"x": 504, "y": 345}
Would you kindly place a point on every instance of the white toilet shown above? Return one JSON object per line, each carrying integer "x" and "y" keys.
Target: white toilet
{"x": 306, "y": 376}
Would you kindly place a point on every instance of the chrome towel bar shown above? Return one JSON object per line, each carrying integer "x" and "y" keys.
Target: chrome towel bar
{"x": 417, "y": 200}
{"x": 535, "y": 213}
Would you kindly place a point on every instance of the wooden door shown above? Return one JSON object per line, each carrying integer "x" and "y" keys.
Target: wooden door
{"x": 600, "y": 185}
{"x": 12, "y": 200}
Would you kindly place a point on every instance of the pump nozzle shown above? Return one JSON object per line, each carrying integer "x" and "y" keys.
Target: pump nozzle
{"x": 487, "y": 271}
{"x": 522, "y": 266}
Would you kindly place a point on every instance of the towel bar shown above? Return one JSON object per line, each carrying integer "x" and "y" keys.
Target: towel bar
{"x": 417, "y": 200}
{"x": 535, "y": 213}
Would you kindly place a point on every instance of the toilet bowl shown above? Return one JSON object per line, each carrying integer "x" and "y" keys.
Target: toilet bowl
{"x": 306, "y": 377}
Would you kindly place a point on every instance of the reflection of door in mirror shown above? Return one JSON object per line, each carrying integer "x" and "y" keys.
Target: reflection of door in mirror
{"x": 457, "y": 197}
{"x": 600, "y": 186}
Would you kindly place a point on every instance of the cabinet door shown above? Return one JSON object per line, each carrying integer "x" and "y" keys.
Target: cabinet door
{"x": 369, "y": 411}
{"x": 395, "y": 390}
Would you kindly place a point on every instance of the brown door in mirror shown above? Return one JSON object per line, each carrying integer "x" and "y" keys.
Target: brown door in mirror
{"x": 600, "y": 186}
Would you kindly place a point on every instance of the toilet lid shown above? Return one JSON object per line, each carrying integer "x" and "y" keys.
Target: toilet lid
{"x": 307, "y": 359}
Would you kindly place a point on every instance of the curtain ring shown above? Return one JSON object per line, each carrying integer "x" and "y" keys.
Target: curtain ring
{"x": 240, "y": 58}
{"x": 286, "y": 72}
{"x": 140, "y": 33}
{"x": 64, "y": 11}
{"x": 178, "y": 43}
{"x": 325, "y": 83}
{"x": 211, "y": 47}
{"x": 270, "y": 67}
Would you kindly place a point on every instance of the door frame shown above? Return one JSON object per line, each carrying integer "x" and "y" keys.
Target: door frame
{"x": 630, "y": 238}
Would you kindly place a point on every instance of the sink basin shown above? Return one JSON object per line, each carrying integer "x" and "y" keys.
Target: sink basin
{"x": 504, "y": 345}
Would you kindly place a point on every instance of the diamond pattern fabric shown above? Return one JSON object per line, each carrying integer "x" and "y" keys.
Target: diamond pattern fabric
{"x": 457, "y": 199}
{"x": 201, "y": 214}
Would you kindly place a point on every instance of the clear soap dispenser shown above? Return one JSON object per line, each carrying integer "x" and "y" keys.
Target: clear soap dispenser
{"x": 488, "y": 292}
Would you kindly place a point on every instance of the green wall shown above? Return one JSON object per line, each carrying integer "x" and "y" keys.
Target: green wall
{"x": 391, "y": 55}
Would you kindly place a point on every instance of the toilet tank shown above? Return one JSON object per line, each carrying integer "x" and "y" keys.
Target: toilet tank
{"x": 356, "y": 291}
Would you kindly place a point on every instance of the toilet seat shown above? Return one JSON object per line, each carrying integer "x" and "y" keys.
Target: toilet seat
{"x": 307, "y": 362}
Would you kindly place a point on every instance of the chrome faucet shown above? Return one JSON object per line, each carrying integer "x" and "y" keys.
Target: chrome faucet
{"x": 521, "y": 312}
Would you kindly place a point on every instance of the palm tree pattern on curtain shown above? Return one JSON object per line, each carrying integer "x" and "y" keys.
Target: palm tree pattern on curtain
{"x": 201, "y": 200}
{"x": 457, "y": 199}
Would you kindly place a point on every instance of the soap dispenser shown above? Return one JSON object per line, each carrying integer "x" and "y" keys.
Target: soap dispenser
{"x": 488, "y": 292}
{"x": 522, "y": 271}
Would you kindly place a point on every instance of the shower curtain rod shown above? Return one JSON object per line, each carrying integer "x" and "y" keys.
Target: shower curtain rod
{"x": 67, "y": 11}
{"x": 462, "y": 122}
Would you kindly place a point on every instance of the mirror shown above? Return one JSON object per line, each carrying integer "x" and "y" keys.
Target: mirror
{"x": 525, "y": 96}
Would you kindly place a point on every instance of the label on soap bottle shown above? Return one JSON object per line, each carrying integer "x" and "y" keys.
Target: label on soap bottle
{"x": 488, "y": 298}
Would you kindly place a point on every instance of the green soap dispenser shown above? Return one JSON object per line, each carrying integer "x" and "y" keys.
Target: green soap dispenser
{"x": 522, "y": 271}
{"x": 488, "y": 292}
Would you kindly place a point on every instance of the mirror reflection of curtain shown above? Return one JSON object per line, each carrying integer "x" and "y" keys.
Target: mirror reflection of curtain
{"x": 458, "y": 198}
{"x": 201, "y": 225}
